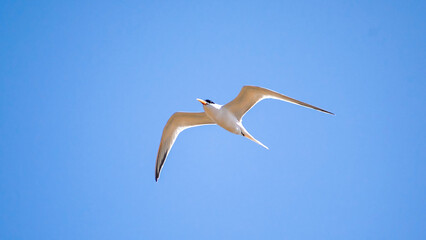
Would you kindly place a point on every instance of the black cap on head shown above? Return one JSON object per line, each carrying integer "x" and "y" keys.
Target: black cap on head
{"x": 209, "y": 101}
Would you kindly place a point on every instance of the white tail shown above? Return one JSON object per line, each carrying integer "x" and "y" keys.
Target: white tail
{"x": 247, "y": 135}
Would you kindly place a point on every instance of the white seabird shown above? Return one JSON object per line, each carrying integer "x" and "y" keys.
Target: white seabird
{"x": 228, "y": 116}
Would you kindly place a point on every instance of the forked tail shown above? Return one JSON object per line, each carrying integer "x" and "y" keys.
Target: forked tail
{"x": 247, "y": 135}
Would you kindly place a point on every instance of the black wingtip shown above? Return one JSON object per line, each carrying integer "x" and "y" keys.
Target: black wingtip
{"x": 157, "y": 171}
{"x": 322, "y": 110}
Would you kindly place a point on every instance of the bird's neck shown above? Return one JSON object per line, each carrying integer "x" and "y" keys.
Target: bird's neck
{"x": 216, "y": 106}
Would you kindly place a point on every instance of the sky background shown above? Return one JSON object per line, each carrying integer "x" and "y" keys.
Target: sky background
{"x": 86, "y": 88}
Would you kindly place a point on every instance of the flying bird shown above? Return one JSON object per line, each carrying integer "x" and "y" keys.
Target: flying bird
{"x": 228, "y": 116}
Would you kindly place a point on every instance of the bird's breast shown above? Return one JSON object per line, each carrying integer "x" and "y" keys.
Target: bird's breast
{"x": 224, "y": 118}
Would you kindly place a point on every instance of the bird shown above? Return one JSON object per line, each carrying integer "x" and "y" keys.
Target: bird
{"x": 228, "y": 116}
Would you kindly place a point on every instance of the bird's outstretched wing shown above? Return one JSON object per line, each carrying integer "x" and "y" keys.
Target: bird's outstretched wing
{"x": 178, "y": 122}
{"x": 250, "y": 95}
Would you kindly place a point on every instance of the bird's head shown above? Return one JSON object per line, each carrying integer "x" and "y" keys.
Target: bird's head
{"x": 205, "y": 102}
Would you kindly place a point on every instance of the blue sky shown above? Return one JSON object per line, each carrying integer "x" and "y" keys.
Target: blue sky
{"x": 87, "y": 87}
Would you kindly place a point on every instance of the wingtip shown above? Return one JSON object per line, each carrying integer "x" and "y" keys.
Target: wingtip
{"x": 157, "y": 176}
{"x": 327, "y": 112}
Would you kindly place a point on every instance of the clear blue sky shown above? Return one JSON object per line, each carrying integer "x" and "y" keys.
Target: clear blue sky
{"x": 87, "y": 87}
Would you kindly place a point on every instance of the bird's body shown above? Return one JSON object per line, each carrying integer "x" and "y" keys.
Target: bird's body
{"x": 228, "y": 116}
{"x": 223, "y": 117}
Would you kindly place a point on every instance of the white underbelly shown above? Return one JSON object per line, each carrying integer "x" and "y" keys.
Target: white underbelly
{"x": 225, "y": 119}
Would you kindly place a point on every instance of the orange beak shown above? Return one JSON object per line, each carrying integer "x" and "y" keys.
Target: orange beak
{"x": 202, "y": 101}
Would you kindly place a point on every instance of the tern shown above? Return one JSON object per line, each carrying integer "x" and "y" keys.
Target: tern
{"x": 228, "y": 116}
